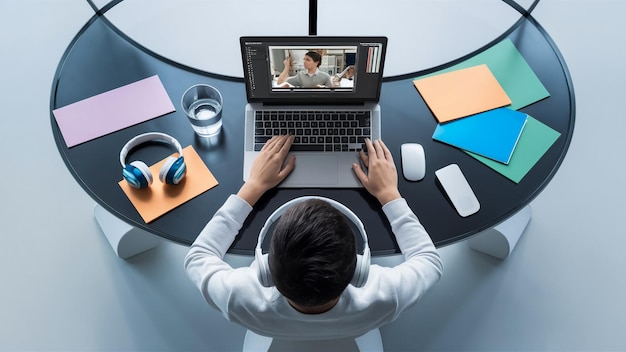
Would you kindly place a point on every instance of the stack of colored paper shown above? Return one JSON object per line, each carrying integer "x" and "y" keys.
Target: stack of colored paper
{"x": 475, "y": 103}
{"x": 468, "y": 103}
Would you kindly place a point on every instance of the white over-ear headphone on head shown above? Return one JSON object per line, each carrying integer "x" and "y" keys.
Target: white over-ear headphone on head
{"x": 137, "y": 173}
{"x": 362, "y": 260}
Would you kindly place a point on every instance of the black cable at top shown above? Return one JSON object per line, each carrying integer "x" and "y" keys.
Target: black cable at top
{"x": 312, "y": 17}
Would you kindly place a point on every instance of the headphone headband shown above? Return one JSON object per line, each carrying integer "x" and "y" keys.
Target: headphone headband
{"x": 148, "y": 137}
{"x": 138, "y": 174}
{"x": 283, "y": 208}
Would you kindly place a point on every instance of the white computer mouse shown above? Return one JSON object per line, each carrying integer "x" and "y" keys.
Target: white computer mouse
{"x": 413, "y": 161}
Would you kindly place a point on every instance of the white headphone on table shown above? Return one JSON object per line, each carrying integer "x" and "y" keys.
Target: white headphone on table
{"x": 138, "y": 174}
{"x": 362, "y": 260}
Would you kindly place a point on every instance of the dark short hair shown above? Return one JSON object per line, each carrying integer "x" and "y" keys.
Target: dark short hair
{"x": 315, "y": 56}
{"x": 312, "y": 255}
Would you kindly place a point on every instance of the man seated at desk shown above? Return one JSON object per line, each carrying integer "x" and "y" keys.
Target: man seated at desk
{"x": 310, "y": 77}
{"x": 313, "y": 257}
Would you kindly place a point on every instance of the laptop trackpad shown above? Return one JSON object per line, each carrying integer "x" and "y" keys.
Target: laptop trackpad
{"x": 313, "y": 170}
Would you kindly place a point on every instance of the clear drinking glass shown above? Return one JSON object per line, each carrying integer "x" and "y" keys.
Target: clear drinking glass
{"x": 203, "y": 105}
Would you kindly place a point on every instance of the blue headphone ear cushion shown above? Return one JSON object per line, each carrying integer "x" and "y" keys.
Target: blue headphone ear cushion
{"x": 173, "y": 170}
{"x": 137, "y": 174}
{"x": 166, "y": 168}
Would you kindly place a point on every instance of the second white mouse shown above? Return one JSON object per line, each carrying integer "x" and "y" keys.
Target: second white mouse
{"x": 413, "y": 161}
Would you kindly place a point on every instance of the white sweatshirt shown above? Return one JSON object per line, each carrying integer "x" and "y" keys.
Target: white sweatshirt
{"x": 241, "y": 298}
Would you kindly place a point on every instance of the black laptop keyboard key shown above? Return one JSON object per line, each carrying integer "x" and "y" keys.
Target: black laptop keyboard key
{"x": 364, "y": 121}
{"x": 314, "y": 130}
{"x": 307, "y": 148}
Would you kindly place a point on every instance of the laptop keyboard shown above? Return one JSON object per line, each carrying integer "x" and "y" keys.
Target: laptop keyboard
{"x": 319, "y": 131}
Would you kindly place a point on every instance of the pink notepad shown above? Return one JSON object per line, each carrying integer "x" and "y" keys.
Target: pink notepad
{"x": 113, "y": 110}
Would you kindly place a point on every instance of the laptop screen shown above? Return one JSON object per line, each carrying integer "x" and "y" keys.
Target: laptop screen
{"x": 297, "y": 70}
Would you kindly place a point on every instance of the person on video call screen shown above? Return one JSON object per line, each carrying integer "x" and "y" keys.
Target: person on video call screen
{"x": 309, "y": 77}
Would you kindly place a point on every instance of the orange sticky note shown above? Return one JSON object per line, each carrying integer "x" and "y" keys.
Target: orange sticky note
{"x": 461, "y": 93}
{"x": 160, "y": 198}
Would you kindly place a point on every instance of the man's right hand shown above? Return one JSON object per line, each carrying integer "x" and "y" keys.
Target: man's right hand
{"x": 381, "y": 179}
{"x": 268, "y": 169}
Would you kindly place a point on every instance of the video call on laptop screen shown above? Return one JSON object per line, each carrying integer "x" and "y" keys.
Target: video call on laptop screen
{"x": 313, "y": 69}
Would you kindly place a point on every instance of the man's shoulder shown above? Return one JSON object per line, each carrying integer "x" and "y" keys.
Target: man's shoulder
{"x": 323, "y": 73}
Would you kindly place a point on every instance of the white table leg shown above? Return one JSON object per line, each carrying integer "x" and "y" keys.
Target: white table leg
{"x": 125, "y": 239}
{"x": 500, "y": 240}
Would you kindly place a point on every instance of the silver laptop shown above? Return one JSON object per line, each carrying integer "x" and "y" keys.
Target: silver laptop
{"x": 322, "y": 90}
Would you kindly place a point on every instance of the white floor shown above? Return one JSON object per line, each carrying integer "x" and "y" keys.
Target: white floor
{"x": 62, "y": 288}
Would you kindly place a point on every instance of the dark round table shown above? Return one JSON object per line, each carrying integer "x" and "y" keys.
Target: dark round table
{"x": 101, "y": 58}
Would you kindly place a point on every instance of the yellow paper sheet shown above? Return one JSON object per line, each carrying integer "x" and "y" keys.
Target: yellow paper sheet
{"x": 461, "y": 93}
{"x": 160, "y": 198}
